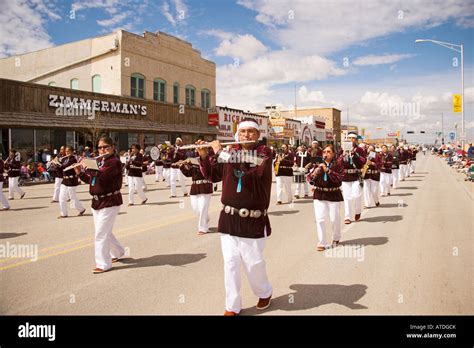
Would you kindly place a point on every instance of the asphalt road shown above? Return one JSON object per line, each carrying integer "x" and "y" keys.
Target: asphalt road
{"x": 411, "y": 255}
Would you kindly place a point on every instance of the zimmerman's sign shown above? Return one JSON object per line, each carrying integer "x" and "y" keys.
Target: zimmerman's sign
{"x": 67, "y": 106}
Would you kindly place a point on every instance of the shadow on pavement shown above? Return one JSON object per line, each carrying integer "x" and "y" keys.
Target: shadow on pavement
{"x": 300, "y": 201}
{"x": 401, "y": 194}
{"x": 366, "y": 241}
{"x": 386, "y": 218}
{"x": 156, "y": 203}
{"x": 283, "y": 212}
{"x": 392, "y": 205}
{"x": 408, "y": 188}
{"x": 30, "y": 208}
{"x": 307, "y": 296}
{"x": 11, "y": 235}
{"x": 160, "y": 260}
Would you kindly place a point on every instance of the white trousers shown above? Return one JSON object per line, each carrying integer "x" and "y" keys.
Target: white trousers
{"x": 105, "y": 243}
{"x": 299, "y": 188}
{"x": 167, "y": 175}
{"x": 3, "y": 199}
{"x": 135, "y": 183}
{"x": 352, "y": 193}
{"x": 13, "y": 187}
{"x": 65, "y": 193}
{"x": 412, "y": 166}
{"x": 158, "y": 173}
{"x": 200, "y": 205}
{"x": 321, "y": 210}
{"x": 395, "y": 177}
{"x": 249, "y": 252}
{"x": 175, "y": 176}
{"x": 371, "y": 192}
{"x": 284, "y": 182}
{"x": 385, "y": 179}
{"x": 57, "y": 188}
{"x": 402, "y": 172}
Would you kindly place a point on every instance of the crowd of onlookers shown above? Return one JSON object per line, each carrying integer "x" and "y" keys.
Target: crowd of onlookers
{"x": 460, "y": 160}
{"x": 37, "y": 168}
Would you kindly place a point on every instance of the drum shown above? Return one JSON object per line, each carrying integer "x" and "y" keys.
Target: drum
{"x": 298, "y": 177}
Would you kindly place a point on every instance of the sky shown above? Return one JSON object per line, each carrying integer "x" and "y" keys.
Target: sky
{"x": 358, "y": 56}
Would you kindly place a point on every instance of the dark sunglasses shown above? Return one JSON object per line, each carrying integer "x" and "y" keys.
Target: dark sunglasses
{"x": 103, "y": 147}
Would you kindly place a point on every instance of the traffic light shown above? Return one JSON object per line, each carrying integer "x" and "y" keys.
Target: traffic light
{"x": 422, "y": 132}
{"x": 410, "y": 132}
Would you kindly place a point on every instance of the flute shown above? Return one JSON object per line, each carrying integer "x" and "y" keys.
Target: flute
{"x": 72, "y": 166}
{"x": 186, "y": 147}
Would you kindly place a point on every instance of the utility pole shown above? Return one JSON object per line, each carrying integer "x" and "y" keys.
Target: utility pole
{"x": 442, "y": 129}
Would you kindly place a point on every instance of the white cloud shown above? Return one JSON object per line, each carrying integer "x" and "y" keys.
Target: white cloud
{"x": 180, "y": 9}
{"x": 23, "y": 26}
{"x": 382, "y": 59}
{"x": 115, "y": 19}
{"x": 245, "y": 47}
{"x": 323, "y": 27}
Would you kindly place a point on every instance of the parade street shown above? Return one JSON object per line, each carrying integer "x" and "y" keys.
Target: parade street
{"x": 410, "y": 255}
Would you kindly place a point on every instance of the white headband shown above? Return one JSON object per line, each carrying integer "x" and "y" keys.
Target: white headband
{"x": 245, "y": 124}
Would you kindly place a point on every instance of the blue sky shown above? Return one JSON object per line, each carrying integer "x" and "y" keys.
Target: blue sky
{"x": 264, "y": 49}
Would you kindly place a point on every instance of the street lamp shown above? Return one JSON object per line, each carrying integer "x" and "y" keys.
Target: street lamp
{"x": 460, "y": 49}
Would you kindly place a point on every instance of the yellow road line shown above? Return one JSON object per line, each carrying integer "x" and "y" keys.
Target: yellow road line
{"x": 92, "y": 243}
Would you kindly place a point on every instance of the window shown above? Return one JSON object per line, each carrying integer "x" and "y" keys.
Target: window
{"x": 74, "y": 84}
{"x": 190, "y": 95}
{"x": 52, "y": 83}
{"x": 205, "y": 99}
{"x": 96, "y": 84}
{"x": 159, "y": 90}
{"x": 176, "y": 93}
{"x": 137, "y": 85}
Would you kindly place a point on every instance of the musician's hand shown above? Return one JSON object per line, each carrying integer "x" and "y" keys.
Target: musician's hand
{"x": 216, "y": 146}
{"x": 78, "y": 169}
{"x": 203, "y": 152}
{"x": 324, "y": 167}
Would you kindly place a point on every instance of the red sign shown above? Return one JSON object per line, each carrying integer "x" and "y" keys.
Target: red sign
{"x": 392, "y": 134}
{"x": 213, "y": 119}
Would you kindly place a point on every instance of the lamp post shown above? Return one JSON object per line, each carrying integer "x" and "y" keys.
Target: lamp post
{"x": 459, "y": 49}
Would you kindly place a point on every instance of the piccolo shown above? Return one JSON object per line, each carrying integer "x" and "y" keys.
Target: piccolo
{"x": 186, "y": 147}
{"x": 72, "y": 166}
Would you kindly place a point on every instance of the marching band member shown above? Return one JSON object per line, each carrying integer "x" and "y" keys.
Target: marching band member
{"x": 327, "y": 197}
{"x": 134, "y": 167}
{"x": 58, "y": 179}
{"x": 284, "y": 173}
{"x": 105, "y": 187}
{"x": 385, "y": 171}
{"x": 414, "y": 151}
{"x": 316, "y": 153}
{"x": 243, "y": 222}
{"x": 159, "y": 167}
{"x": 371, "y": 187}
{"x": 200, "y": 194}
{"x": 146, "y": 161}
{"x": 3, "y": 200}
{"x": 68, "y": 185}
{"x": 395, "y": 166}
{"x": 403, "y": 159}
{"x": 167, "y": 160}
{"x": 351, "y": 188}
{"x": 302, "y": 159}
{"x": 13, "y": 166}
{"x": 178, "y": 155}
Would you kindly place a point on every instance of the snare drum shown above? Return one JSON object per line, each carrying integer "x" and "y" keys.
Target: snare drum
{"x": 298, "y": 177}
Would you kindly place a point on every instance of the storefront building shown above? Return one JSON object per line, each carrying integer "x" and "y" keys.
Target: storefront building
{"x": 36, "y": 117}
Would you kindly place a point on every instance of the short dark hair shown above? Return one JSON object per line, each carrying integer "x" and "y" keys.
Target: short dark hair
{"x": 70, "y": 148}
{"x": 107, "y": 140}
{"x": 331, "y": 146}
{"x": 138, "y": 147}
